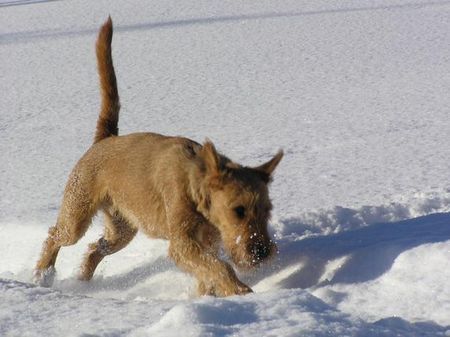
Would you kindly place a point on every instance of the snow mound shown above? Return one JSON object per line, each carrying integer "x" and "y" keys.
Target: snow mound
{"x": 338, "y": 218}
{"x": 29, "y": 310}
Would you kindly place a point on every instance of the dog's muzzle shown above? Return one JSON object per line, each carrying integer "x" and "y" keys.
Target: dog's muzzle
{"x": 260, "y": 250}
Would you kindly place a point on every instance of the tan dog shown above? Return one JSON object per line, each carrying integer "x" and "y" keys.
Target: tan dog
{"x": 169, "y": 187}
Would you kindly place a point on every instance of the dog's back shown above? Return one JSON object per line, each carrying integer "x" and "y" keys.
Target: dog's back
{"x": 131, "y": 173}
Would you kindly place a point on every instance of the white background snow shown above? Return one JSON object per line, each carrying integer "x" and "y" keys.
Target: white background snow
{"x": 357, "y": 93}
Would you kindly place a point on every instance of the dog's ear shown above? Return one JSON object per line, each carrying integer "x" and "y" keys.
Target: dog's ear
{"x": 268, "y": 168}
{"x": 210, "y": 157}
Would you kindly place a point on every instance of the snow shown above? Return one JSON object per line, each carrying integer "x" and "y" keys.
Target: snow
{"x": 355, "y": 92}
{"x": 280, "y": 313}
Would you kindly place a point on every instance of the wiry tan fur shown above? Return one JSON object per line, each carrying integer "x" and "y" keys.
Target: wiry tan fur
{"x": 168, "y": 187}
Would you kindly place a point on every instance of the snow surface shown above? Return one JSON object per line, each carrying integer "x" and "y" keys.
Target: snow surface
{"x": 355, "y": 92}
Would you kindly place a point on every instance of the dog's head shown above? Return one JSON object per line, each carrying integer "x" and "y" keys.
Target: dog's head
{"x": 237, "y": 203}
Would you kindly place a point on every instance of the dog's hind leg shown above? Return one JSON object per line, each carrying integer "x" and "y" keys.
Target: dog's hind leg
{"x": 62, "y": 234}
{"x": 118, "y": 233}
{"x": 77, "y": 209}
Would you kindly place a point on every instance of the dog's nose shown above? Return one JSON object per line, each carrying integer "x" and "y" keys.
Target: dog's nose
{"x": 260, "y": 250}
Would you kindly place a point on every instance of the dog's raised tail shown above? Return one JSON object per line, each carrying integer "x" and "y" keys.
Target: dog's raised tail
{"x": 107, "y": 123}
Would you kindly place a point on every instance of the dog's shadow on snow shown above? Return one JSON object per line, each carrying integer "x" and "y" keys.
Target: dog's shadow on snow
{"x": 121, "y": 282}
{"x": 363, "y": 254}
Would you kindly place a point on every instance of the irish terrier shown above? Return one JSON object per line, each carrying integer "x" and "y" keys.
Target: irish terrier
{"x": 170, "y": 188}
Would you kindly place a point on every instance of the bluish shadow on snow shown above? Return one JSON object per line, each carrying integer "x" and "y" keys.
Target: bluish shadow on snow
{"x": 224, "y": 312}
{"x": 405, "y": 328}
{"x": 370, "y": 251}
{"x": 28, "y": 36}
{"x": 119, "y": 282}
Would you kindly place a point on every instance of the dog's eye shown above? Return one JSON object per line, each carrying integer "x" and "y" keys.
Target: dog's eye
{"x": 240, "y": 212}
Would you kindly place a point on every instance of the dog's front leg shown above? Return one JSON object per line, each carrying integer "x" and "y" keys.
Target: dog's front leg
{"x": 215, "y": 276}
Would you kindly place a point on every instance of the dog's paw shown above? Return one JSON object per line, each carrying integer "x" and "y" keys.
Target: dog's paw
{"x": 243, "y": 289}
{"x": 45, "y": 277}
{"x": 234, "y": 289}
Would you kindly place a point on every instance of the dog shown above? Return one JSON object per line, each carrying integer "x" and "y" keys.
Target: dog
{"x": 170, "y": 188}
